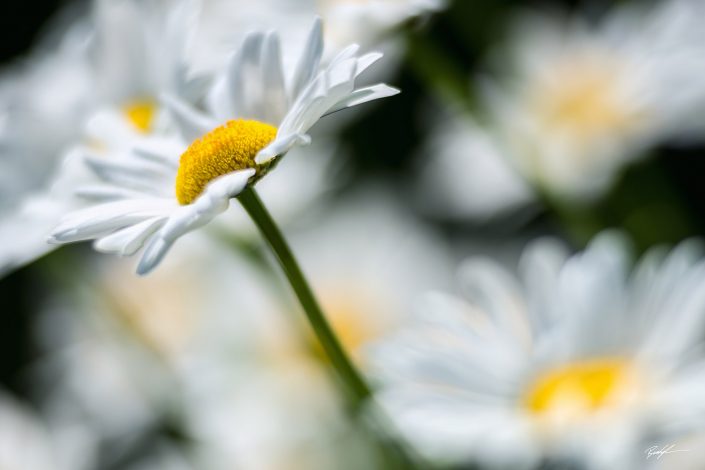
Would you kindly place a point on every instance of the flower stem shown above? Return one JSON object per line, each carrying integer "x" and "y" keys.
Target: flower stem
{"x": 356, "y": 386}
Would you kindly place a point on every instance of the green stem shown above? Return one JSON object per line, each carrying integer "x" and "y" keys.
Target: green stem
{"x": 355, "y": 384}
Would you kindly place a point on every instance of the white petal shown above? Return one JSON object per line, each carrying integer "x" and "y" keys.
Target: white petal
{"x": 309, "y": 61}
{"x": 347, "y": 53}
{"x": 153, "y": 255}
{"x": 192, "y": 124}
{"x": 105, "y": 218}
{"x": 274, "y": 101}
{"x": 110, "y": 128}
{"x": 280, "y": 146}
{"x": 129, "y": 240}
{"x": 330, "y": 87}
{"x": 227, "y": 186}
{"x": 218, "y": 100}
{"x": 363, "y": 95}
{"x": 244, "y": 77}
{"x": 132, "y": 172}
{"x": 214, "y": 200}
{"x": 104, "y": 192}
{"x": 139, "y": 168}
{"x": 364, "y": 62}
{"x": 164, "y": 152}
{"x": 341, "y": 75}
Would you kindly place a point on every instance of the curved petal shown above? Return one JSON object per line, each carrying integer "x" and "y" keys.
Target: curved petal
{"x": 129, "y": 240}
{"x": 243, "y": 80}
{"x": 363, "y": 95}
{"x": 191, "y": 123}
{"x": 280, "y": 146}
{"x": 214, "y": 200}
{"x": 274, "y": 101}
{"x": 105, "y": 218}
{"x": 309, "y": 61}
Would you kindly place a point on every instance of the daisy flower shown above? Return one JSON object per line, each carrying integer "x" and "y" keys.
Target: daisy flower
{"x": 582, "y": 361}
{"x": 97, "y": 90}
{"x": 138, "y": 51}
{"x": 26, "y": 442}
{"x": 256, "y": 115}
{"x": 579, "y": 101}
{"x": 44, "y": 98}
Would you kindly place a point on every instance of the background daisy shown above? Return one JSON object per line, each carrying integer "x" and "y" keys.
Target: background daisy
{"x": 583, "y": 361}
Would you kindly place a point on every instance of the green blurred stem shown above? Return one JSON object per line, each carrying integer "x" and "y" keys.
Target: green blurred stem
{"x": 356, "y": 386}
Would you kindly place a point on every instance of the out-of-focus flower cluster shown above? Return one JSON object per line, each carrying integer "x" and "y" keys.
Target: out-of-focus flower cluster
{"x": 508, "y": 249}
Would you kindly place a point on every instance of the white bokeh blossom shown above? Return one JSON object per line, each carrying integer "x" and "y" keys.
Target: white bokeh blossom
{"x": 581, "y": 360}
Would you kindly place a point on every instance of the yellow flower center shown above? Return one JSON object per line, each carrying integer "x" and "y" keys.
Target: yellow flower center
{"x": 584, "y": 97}
{"x": 581, "y": 388}
{"x": 141, "y": 113}
{"x": 230, "y": 147}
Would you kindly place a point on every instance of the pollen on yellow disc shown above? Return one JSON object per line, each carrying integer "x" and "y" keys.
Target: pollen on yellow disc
{"x": 580, "y": 387}
{"x": 141, "y": 113}
{"x": 230, "y": 147}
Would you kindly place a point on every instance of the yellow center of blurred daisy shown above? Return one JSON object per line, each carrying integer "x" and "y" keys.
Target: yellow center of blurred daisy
{"x": 581, "y": 388}
{"x": 228, "y": 148}
{"x": 356, "y": 315}
{"x": 585, "y": 97}
{"x": 141, "y": 113}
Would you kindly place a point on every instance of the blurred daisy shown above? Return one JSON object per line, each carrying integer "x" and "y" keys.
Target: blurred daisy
{"x": 26, "y": 442}
{"x": 44, "y": 100}
{"x": 124, "y": 340}
{"x": 98, "y": 90}
{"x": 256, "y": 117}
{"x": 264, "y": 401}
{"x": 261, "y": 370}
{"x": 365, "y": 288}
{"x": 138, "y": 52}
{"x": 582, "y": 362}
{"x": 580, "y": 101}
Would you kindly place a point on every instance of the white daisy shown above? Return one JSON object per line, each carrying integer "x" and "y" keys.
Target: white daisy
{"x": 256, "y": 116}
{"x": 98, "y": 88}
{"x": 138, "y": 51}
{"x": 44, "y": 98}
{"x": 27, "y": 442}
{"x": 264, "y": 399}
{"x": 365, "y": 288}
{"x": 581, "y": 361}
{"x": 211, "y": 368}
{"x": 578, "y": 101}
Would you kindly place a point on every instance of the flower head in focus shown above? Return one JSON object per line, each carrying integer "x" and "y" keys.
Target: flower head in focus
{"x": 257, "y": 114}
{"x": 580, "y": 361}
